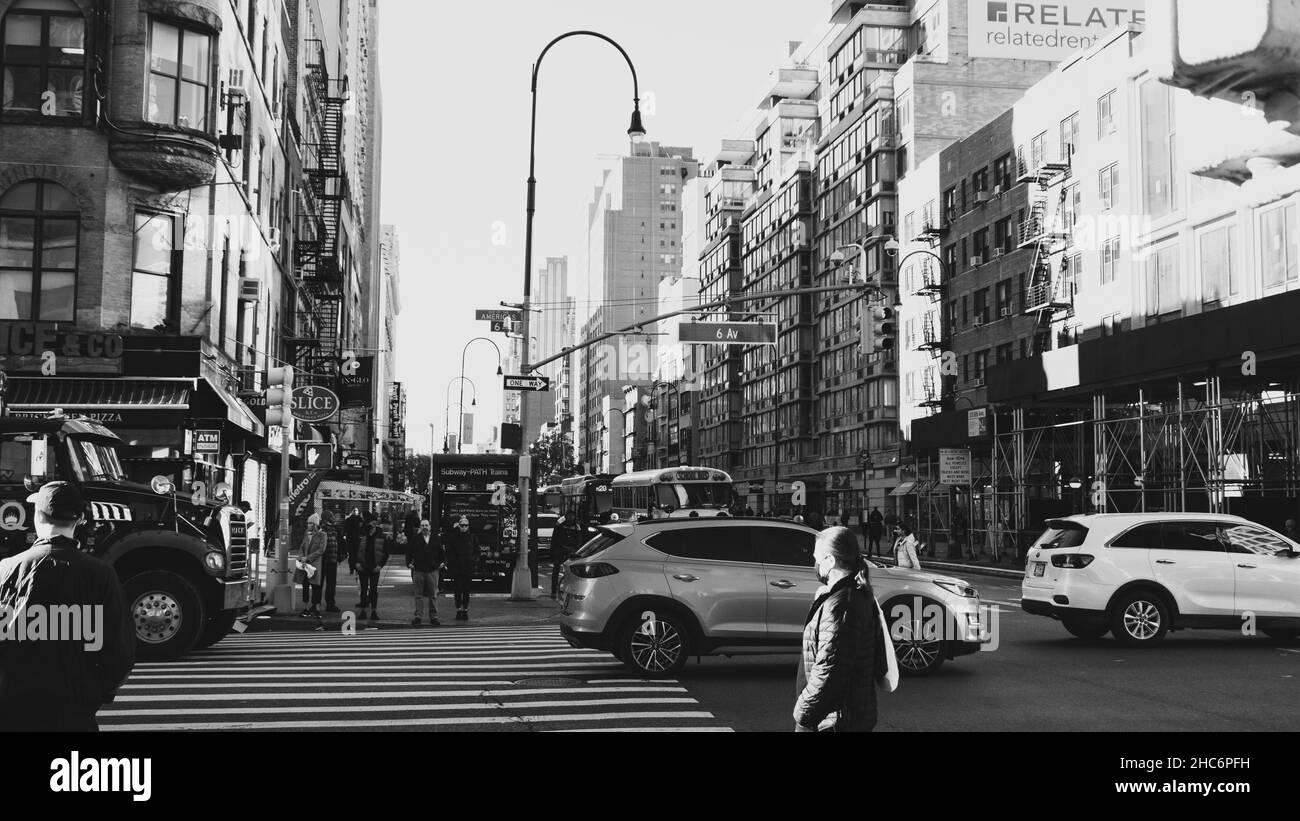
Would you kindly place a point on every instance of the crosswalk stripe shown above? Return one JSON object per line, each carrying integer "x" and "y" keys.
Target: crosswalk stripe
{"x": 515, "y": 679}
{"x": 403, "y": 708}
{"x": 308, "y": 724}
{"x": 316, "y": 696}
{"x": 638, "y": 730}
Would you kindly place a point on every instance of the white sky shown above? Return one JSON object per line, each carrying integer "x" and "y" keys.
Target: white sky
{"x": 455, "y": 155}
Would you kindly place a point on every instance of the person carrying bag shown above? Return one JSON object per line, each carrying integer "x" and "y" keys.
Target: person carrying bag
{"x": 307, "y": 571}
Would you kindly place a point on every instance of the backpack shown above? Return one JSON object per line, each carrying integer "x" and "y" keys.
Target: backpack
{"x": 19, "y": 590}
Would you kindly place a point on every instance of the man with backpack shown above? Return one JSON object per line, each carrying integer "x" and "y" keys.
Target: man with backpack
{"x": 58, "y": 682}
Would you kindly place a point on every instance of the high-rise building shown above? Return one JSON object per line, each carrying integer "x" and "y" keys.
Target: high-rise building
{"x": 191, "y": 245}
{"x": 634, "y": 241}
{"x": 392, "y": 446}
{"x": 555, "y": 332}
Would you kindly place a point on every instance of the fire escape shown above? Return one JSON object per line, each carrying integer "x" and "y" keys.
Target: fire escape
{"x": 318, "y": 257}
{"x": 932, "y": 286}
{"x": 1048, "y": 291}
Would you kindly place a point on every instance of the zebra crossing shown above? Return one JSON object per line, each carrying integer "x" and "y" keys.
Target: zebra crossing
{"x": 524, "y": 678}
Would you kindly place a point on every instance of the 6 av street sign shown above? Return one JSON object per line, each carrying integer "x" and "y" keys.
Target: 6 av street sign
{"x": 527, "y": 383}
{"x": 728, "y": 333}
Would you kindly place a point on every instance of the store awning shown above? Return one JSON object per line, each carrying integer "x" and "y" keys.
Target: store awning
{"x": 903, "y": 489}
{"x": 236, "y": 412}
{"x": 108, "y": 401}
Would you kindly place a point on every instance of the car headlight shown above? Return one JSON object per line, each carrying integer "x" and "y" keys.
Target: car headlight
{"x": 215, "y": 561}
{"x": 963, "y": 590}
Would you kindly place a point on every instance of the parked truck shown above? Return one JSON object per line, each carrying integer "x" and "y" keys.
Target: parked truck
{"x": 182, "y": 558}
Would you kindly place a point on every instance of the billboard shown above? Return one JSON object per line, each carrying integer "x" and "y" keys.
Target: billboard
{"x": 356, "y": 381}
{"x": 1044, "y": 31}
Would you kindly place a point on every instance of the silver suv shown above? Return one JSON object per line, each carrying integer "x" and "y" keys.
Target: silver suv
{"x": 659, "y": 591}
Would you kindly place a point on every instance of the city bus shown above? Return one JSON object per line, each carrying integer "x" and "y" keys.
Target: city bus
{"x": 550, "y": 499}
{"x": 671, "y": 492}
{"x": 587, "y": 498}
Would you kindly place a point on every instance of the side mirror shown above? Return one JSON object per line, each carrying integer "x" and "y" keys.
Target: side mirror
{"x": 32, "y": 483}
{"x": 162, "y": 485}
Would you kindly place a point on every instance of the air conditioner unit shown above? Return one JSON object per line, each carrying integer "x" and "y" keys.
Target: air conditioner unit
{"x": 998, "y": 252}
{"x": 250, "y": 289}
{"x": 976, "y": 260}
{"x": 235, "y": 87}
{"x": 983, "y": 197}
{"x": 997, "y": 190}
{"x": 977, "y": 383}
{"x": 1006, "y": 312}
{"x": 273, "y": 239}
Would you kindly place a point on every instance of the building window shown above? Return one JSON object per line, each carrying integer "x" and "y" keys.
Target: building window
{"x": 1163, "y": 296}
{"x": 1071, "y": 207}
{"x": 1037, "y": 147}
{"x": 1002, "y": 172}
{"x": 152, "y": 270}
{"x": 1108, "y": 186}
{"x": 1110, "y": 325}
{"x": 982, "y": 305}
{"x": 1217, "y": 280}
{"x": 1004, "y": 353}
{"x": 980, "y": 239}
{"x": 1106, "y": 114}
{"x": 1003, "y": 296}
{"x": 39, "y": 228}
{"x": 1159, "y": 154}
{"x": 179, "y": 75}
{"x": 1109, "y": 259}
{"x": 1003, "y": 235}
{"x": 1069, "y": 136}
{"x": 44, "y": 58}
{"x": 1279, "y": 252}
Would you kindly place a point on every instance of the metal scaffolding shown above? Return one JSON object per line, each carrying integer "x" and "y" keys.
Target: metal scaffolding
{"x": 1175, "y": 447}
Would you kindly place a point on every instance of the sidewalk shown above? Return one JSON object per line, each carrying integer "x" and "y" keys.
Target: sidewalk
{"x": 397, "y": 607}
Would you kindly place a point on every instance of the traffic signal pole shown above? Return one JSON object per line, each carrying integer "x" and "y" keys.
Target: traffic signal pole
{"x": 280, "y": 581}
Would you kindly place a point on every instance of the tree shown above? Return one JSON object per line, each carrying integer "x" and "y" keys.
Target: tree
{"x": 552, "y": 457}
{"x": 417, "y": 474}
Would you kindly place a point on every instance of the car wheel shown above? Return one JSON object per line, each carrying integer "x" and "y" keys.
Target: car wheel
{"x": 216, "y": 630}
{"x": 1139, "y": 619}
{"x": 1086, "y": 630}
{"x": 1283, "y": 636}
{"x": 166, "y": 611}
{"x": 655, "y": 644}
{"x": 917, "y": 653}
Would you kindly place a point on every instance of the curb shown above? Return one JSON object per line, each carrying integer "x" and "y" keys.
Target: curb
{"x": 972, "y": 569}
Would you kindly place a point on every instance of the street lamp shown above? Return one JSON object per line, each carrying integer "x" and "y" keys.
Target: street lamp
{"x": 521, "y": 588}
{"x": 447, "y": 407}
{"x": 463, "y": 351}
{"x": 446, "y": 411}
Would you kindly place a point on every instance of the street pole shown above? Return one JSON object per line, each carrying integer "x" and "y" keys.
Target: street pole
{"x": 462, "y": 378}
{"x": 521, "y": 586}
{"x": 282, "y": 590}
{"x": 432, "y": 439}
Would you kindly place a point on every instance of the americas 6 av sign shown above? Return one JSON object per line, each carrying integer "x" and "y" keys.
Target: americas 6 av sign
{"x": 1044, "y": 31}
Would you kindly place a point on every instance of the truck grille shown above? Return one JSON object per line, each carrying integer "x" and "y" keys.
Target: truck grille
{"x": 236, "y": 532}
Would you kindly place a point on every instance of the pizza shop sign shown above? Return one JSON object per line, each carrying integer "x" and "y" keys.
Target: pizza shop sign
{"x": 30, "y": 346}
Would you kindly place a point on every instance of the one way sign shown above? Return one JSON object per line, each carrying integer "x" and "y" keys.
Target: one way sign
{"x": 318, "y": 456}
{"x": 527, "y": 383}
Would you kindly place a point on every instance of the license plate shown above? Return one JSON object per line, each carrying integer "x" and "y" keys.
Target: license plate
{"x": 1039, "y": 568}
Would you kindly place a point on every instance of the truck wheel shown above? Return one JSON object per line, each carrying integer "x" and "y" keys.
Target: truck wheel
{"x": 167, "y": 613}
{"x": 216, "y": 630}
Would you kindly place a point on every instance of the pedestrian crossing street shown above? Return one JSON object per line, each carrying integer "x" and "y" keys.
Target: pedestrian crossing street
{"x": 449, "y": 678}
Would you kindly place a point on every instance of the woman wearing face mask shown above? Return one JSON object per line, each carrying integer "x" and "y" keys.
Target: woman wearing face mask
{"x": 837, "y": 672}
{"x": 905, "y": 548}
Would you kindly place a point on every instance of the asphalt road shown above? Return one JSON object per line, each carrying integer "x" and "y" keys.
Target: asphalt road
{"x": 1040, "y": 678}
{"x": 524, "y": 677}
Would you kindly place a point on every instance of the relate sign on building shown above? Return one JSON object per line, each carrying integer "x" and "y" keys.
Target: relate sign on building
{"x": 1042, "y": 30}
{"x": 954, "y": 466}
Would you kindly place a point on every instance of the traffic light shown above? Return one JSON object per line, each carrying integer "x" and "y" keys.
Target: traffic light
{"x": 883, "y": 333}
{"x": 279, "y": 397}
{"x": 877, "y": 329}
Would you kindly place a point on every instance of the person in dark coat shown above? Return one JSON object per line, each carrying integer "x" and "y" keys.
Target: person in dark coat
{"x": 875, "y": 525}
{"x": 426, "y": 558}
{"x": 352, "y": 528}
{"x": 462, "y": 559}
{"x": 329, "y": 567}
{"x": 371, "y": 558}
{"x": 59, "y": 685}
{"x": 837, "y": 676}
{"x": 559, "y": 551}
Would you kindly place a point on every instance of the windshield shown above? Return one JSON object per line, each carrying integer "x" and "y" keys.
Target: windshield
{"x": 1060, "y": 534}
{"x": 95, "y": 462}
{"x": 680, "y": 495}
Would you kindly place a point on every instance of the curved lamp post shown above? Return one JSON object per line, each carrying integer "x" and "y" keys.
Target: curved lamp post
{"x": 447, "y": 407}
{"x": 462, "y": 376}
{"x": 521, "y": 586}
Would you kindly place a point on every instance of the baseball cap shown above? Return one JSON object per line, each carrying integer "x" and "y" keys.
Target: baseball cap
{"x": 60, "y": 501}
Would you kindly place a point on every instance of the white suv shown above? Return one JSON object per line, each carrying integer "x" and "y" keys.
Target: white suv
{"x": 1140, "y": 575}
{"x": 658, "y": 591}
